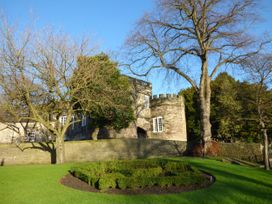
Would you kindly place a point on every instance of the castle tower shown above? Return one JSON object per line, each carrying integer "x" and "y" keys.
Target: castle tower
{"x": 141, "y": 93}
{"x": 168, "y": 117}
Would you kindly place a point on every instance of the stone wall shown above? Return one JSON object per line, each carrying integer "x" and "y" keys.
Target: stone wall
{"x": 172, "y": 109}
{"x": 10, "y": 154}
{"x": 90, "y": 150}
{"x": 245, "y": 151}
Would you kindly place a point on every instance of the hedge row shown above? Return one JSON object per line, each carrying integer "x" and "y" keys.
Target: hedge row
{"x": 137, "y": 174}
{"x": 244, "y": 151}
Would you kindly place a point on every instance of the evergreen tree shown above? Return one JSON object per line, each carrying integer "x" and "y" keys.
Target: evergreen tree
{"x": 225, "y": 108}
{"x": 233, "y": 110}
{"x": 113, "y": 106}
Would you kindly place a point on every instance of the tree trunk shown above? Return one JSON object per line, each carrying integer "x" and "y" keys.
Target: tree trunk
{"x": 205, "y": 104}
{"x": 60, "y": 149}
{"x": 265, "y": 151}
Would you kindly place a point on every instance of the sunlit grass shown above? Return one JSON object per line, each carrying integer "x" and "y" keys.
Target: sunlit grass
{"x": 40, "y": 184}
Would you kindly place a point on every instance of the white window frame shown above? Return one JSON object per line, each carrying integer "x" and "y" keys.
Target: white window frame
{"x": 31, "y": 134}
{"x": 62, "y": 119}
{"x": 146, "y": 101}
{"x": 73, "y": 122}
{"x": 83, "y": 120}
{"x": 158, "y": 124}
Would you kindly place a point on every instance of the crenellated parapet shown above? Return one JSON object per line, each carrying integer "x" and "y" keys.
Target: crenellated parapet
{"x": 166, "y": 99}
{"x": 171, "y": 109}
{"x": 163, "y": 96}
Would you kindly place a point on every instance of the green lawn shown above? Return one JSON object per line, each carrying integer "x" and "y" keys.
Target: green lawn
{"x": 40, "y": 184}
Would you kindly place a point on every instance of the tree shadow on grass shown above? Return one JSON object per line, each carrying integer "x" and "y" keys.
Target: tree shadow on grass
{"x": 233, "y": 184}
{"x": 237, "y": 176}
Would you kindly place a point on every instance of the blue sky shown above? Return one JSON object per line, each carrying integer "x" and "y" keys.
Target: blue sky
{"x": 106, "y": 22}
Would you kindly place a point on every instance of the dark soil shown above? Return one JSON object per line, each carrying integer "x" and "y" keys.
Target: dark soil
{"x": 73, "y": 182}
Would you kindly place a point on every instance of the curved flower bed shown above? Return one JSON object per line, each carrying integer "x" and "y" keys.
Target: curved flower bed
{"x": 135, "y": 174}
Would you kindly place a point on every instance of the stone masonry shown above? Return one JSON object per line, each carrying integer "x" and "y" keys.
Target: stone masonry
{"x": 171, "y": 109}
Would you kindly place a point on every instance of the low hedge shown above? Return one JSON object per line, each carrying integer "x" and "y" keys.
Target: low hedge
{"x": 137, "y": 174}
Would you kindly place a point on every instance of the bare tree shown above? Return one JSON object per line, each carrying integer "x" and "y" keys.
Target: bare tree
{"x": 40, "y": 81}
{"x": 49, "y": 80}
{"x": 210, "y": 33}
{"x": 35, "y": 72}
{"x": 259, "y": 70}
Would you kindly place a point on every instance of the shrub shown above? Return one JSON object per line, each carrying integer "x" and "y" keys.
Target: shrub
{"x": 124, "y": 183}
{"x": 82, "y": 175}
{"x": 149, "y": 172}
{"x": 197, "y": 150}
{"x": 109, "y": 181}
{"x": 213, "y": 148}
{"x": 137, "y": 174}
{"x": 176, "y": 166}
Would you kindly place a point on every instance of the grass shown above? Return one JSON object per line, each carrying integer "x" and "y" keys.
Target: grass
{"x": 40, "y": 184}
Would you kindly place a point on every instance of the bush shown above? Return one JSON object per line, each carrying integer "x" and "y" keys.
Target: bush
{"x": 176, "y": 166}
{"x": 213, "y": 148}
{"x": 150, "y": 172}
{"x": 124, "y": 183}
{"x": 197, "y": 150}
{"x": 137, "y": 174}
{"x": 109, "y": 181}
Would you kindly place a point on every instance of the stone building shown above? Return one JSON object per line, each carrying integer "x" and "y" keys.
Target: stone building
{"x": 157, "y": 117}
{"x": 168, "y": 117}
{"x": 14, "y": 132}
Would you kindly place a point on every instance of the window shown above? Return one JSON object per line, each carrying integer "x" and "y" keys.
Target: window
{"x": 73, "y": 122}
{"x": 62, "y": 119}
{"x": 30, "y": 135}
{"x": 158, "y": 124}
{"x": 83, "y": 120}
{"x": 146, "y": 101}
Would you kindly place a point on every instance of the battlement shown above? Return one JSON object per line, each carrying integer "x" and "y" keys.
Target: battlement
{"x": 171, "y": 108}
{"x": 164, "y": 96}
{"x": 166, "y": 99}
